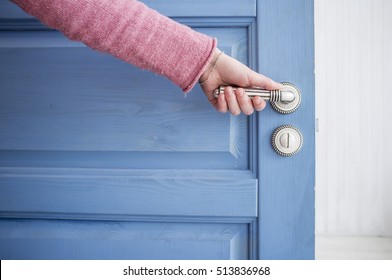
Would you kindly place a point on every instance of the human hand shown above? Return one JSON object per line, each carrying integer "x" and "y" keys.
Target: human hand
{"x": 225, "y": 70}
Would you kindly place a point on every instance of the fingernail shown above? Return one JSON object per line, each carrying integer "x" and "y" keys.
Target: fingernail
{"x": 258, "y": 101}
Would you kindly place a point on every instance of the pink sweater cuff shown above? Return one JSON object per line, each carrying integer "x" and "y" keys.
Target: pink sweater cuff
{"x": 131, "y": 31}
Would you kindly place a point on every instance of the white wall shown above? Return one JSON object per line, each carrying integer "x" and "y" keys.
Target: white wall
{"x": 354, "y": 108}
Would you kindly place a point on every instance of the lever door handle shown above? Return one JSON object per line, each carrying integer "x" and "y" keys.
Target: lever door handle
{"x": 284, "y": 100}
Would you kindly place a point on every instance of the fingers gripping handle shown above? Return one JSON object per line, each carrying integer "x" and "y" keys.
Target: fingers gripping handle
{"x": 268, "y": 95}
{"x": 284, "y": 100}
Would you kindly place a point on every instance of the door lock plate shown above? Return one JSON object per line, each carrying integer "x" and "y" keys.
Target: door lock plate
{"x": 287, "y": 140}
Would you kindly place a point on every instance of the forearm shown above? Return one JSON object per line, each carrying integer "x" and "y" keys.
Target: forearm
{"x": 132, "y": 32}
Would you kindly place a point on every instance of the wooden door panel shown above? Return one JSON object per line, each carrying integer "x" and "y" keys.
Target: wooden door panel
{"x": 61, "y": 96}
{"x": 101, "y": 160}
{"x": 73, "y": 193}
{"x": 55, "y": 239}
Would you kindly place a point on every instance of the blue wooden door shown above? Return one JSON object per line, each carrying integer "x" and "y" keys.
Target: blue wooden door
{"x": 100, "y": 160}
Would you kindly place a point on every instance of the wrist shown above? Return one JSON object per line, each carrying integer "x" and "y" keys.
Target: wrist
{"x": 210, "y": 68}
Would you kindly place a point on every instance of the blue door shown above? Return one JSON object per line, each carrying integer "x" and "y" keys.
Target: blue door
{"x": 100, "y": 160}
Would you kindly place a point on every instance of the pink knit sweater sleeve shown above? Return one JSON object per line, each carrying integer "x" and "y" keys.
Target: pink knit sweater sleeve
{"x": 131, "y": 31}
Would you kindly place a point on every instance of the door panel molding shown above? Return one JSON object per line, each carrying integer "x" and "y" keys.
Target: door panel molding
{"x": 73, "y": 192}
{"x": 224, "y": 140}
{"x": 122, "y": 240}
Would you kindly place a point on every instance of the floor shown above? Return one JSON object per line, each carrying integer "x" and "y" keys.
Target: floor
{"x": 353, "y": 248}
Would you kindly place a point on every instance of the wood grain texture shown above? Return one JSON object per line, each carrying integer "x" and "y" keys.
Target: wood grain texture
{"x": 78, "y": 100}
{"x": 353, "y": 71}
{"x": 55, "y": 239}
{"x": 286, "y": 185}
{"x": 100, "y": 193}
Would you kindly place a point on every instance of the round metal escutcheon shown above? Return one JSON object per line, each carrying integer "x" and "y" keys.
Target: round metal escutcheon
{"x": 287, "y": 140}
{"x": 285, "y": 107}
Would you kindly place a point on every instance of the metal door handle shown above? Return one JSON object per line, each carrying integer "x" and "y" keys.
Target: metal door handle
{"x": 284, "y": 100}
